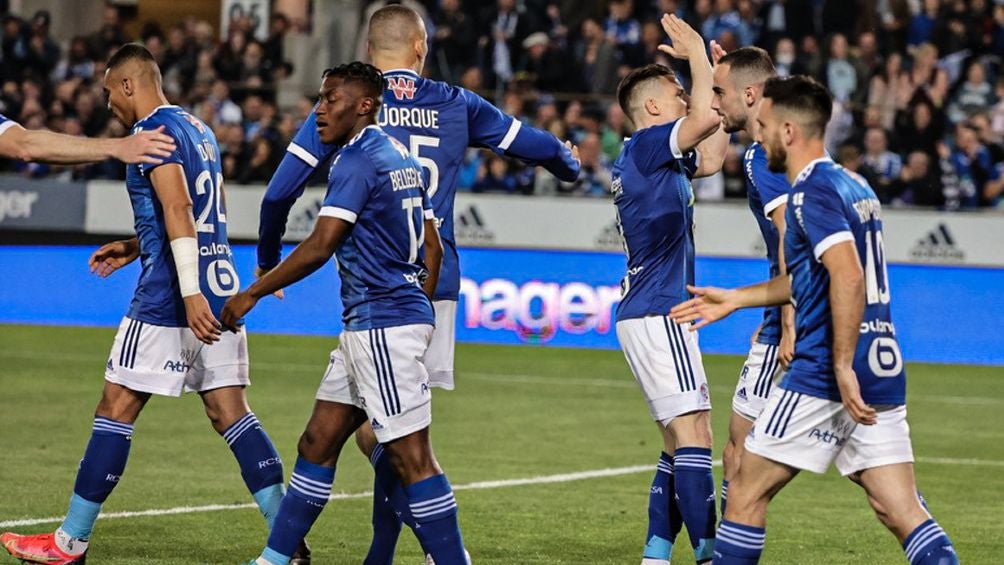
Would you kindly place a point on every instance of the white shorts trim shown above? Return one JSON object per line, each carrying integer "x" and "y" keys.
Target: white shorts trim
{"x": 170, "y": 361}
{"x": 810, "y": 433}
{"x": 382, "y": 372}
{"x": 439, "y": 358}
{"x": 666, "y": 362}
{"x": 760, "y": 371}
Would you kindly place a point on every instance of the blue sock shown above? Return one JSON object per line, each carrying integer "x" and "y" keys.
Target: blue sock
{"x": 695, "y": 493}
{"x": 309, "y": 489}
{"x": 737, "y": 544}
{"x": 928, "y": 544}
{"x": 261, "y": 467}
{"x": 435, "y": 511}
{"x": 389, "y": 510}
{"x": 660, "y": 537}
{"x": 923, "y": 501}
{"x": 103, "y": 464}
{"x": 725, "y": 495}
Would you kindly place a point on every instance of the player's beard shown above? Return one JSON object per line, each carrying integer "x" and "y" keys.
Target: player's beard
{"x": 733, "y": 125}
{"x": 776, "y": 158}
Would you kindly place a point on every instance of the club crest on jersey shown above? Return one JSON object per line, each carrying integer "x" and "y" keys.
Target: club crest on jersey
{"x": 402, "y": 87}
{"x": 194, "y": 121}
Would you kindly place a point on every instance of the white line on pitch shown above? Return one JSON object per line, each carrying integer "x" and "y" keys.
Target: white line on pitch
{"x": 479, "y": 485}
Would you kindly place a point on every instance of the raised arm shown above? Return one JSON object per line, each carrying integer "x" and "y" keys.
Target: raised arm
{"x": 490, "y": 127}
{"x": 50, "y": 147}
{"x": 172, "y": 190}
{"x": 702, "y": 121}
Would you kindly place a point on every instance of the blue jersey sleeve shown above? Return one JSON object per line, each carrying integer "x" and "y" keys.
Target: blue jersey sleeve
{"x": 824, "y": 218}
{"x": 353, "y": 178}
{"x": 306, "y": 144}
{"x": 285, "y": 187}
{"x": 488, "y": 126}
{"x": 773, "y": 187}
{"x": 656, "y": 147}
{"x": 6, "y": 123}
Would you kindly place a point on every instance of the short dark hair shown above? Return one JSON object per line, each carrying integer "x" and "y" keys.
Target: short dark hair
{"x": 364, "y": 74}
{"x": 130, "y": 52}
{"x": 803, "y": 95}
{"x": 636, "y": 77}
{"x": 393, "y": 27}
{"x": 753, "y": 62}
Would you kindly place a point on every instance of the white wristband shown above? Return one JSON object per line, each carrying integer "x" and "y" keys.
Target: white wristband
{"x": 186, "y": 261}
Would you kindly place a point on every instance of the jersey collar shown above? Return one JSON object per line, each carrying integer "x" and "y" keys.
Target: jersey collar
{"x": 399, "y": 71}
{"x": 157, "y": 109}
{"x": 360, "y": 134}
{"x": 808, "y": 169}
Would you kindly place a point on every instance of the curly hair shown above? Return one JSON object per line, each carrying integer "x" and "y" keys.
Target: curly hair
{"x": 364, "y": 74}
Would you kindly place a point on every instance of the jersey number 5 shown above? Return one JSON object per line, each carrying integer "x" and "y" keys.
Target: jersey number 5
{"x": 417, "y": 143}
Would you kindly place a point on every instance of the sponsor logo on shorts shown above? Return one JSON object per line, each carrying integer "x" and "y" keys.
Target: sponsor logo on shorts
{"x": 827, "y": 437}
{"x": 742, "y": 393}
{"x": 704, "y": 391}
{"x": 177, "y": 366}
{"x": 376, "y": 425}
{"x": 110, "y": 365}
{"x": 425, "y": 388}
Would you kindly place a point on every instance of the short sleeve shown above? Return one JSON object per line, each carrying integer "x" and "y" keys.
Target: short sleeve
{"x": 657, "y": 146}
{"x": 487, "y": 125}
{"x": 824, "y": 219}
{"x": 175, "y": 157}
{"x": 350, "y": 185}
{"x": 306, "y": 144}
{"x": 6, "y": 123}
{"x": 773, "y": 187}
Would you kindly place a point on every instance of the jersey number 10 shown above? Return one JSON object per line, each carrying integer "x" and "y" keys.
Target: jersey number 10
{"x": 876, "y": 273}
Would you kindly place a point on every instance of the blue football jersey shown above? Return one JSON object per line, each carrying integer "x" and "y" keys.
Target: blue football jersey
{"x": 158, "y": 299}
{"x": 377, "y": 185}
{"x": 827, "y": 206}
{"x": 765, "y": 191}
{"x": 655, "y": 216}
{"x": 436, "y": 122}
{"x": 5, "y": 123}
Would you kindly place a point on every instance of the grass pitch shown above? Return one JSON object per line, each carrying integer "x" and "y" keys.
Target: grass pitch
{"x": 518, "y": 413}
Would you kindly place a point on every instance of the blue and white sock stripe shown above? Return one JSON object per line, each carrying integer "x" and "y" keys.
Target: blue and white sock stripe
{"x": 678, "y": 348}
{"x": 377, "y": 453}
{"x": 310, "y": 488}
{"x": 434, "y": 508}
{"x": 692, "y": 461}
{"x": 725, "y": 488}
{"x": 778, "y": 423}
{"x": 237, "y": 429}
{"x": 127, "y": 356}
{"x": 921, "y": 538}
{"x": 740, "y": 537}
{"x": 767, "y": 368}
{"x": 664, "y": 467}
{"x": 112, "y": 427}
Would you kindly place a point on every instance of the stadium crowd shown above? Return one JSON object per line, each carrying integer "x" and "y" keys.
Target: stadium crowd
{"x": 918, "y": 84}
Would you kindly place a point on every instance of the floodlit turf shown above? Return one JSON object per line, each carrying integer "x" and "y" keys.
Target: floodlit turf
{"x": 518, "y": 413}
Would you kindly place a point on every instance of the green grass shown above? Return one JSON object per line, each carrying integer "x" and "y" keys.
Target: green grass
{"x": 518, "y": 412}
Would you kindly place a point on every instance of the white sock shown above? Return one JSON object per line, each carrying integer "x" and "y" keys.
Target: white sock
{"x": 69, "y": 544}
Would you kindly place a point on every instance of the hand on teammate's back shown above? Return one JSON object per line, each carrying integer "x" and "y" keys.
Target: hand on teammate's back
{"x": 201, "y": 320}
{"x": 111, "y": 257}
{"x": 145, "y": 147}
{"x": 685, "y": 41}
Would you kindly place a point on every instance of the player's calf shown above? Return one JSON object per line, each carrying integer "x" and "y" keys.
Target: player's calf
{"x": 694, "y": 483}
{"x": 739, "y": 428}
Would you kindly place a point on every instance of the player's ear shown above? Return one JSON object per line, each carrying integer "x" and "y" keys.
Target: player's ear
{"x": 652, "y": 106}
{"x": 787, "y": 133}
{"x": 749, "y": 93}
{"x": 127, "y": 86}
{"x": 366, "y": 106}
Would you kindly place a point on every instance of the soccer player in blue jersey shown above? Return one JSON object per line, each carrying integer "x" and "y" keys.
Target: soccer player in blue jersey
{"x": 148, "y": 147}
{"x": 739, "y": 78}
{"x": 843, "y": 397}
{"x": 170, "y": 341}
{"x": 379, "y": 223}
{"x": 676, "y": 140}
{"x": 437, "y": 122}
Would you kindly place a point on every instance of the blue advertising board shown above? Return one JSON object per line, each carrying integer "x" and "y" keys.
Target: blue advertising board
{"x": 541, "y": 298}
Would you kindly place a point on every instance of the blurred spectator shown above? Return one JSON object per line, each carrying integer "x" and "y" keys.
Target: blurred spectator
{"x": 494, "y": 176}
{"x": 972, "y": 96}
{"x": 919, "y": 183}
{"x": 77, "y": 64}
{"x": 973, "y": 165}
{"x": 599, "y": 59}
{"x": 508, "y": 29}
{"x": 596, "y": 175}
{"x": 919, "y": 129}
{"x": 841, "y": 75}
{"x": 547, "y": 66}
{"x": 454, "y": 36}
{"x": 785, "y": 58}
{"x": 883, "y": 90}
{"x": 624, "y": 30}
{"x": 884, "y": 165}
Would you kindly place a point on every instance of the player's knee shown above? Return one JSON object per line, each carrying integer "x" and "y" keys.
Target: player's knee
{"x": 900, "y": 519}
{"x": 731, "y": 456}
{"x": 880, "y": 513}
{"x": 120, "y": 404}
{"x": 692, "y": 430}
{"x": 315, "y": 447}
{"x": 366, "y": 439}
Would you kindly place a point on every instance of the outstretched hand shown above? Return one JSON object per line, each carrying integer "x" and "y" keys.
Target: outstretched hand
{"x": 111, "y": 257}
{"x": 686, "y": 42}
{"x": 709, "y": 305}
{"x": 717, "y": 52}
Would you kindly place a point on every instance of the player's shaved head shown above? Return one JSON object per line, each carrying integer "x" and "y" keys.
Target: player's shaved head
{"x": 640, "y": 85}
{"x": 395, "y": 28}
{"x": 807, "y": 102}
{"x": 134, "y": 60}
{"x": 748, "y": 66}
